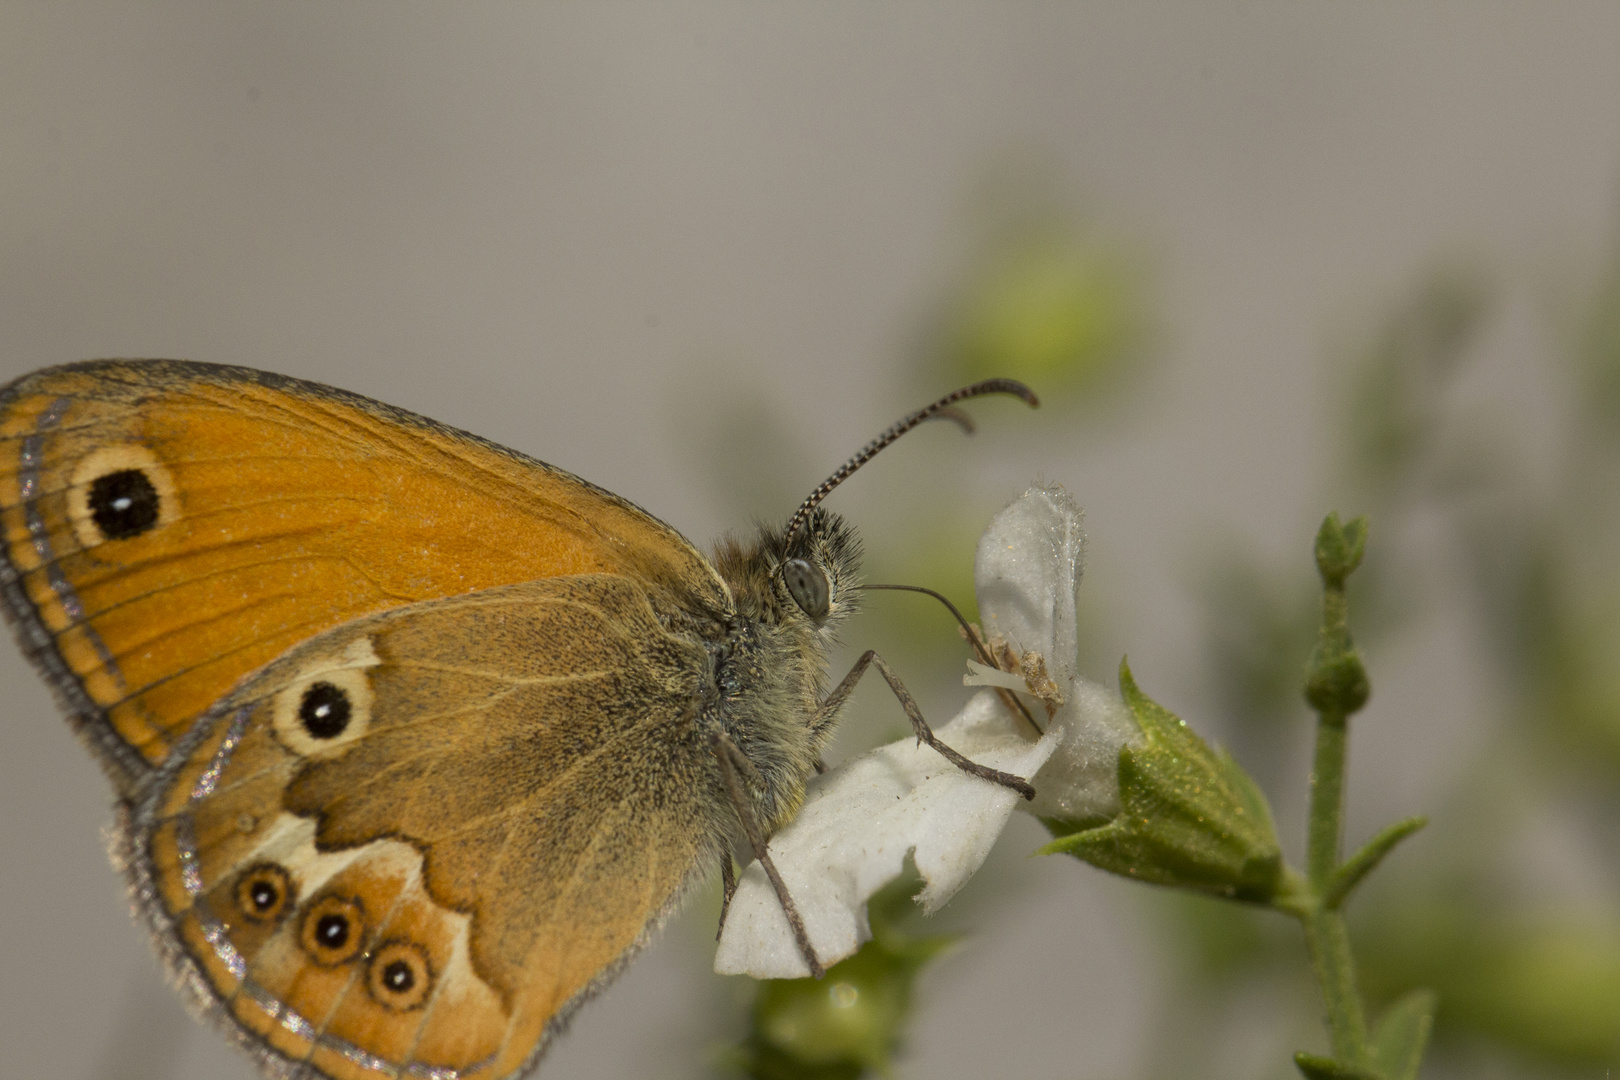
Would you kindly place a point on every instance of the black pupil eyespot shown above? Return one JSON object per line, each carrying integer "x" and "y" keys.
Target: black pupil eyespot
{"x": 123, "y": 504}
{"x": 324, "y": 710}
{"x": 398, "y": 977}
{"x": 332, "y": 931}
{"x": 264, "y": 895}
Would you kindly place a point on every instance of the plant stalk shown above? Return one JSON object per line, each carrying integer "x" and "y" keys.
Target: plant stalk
{"x": 1326, "y": 936}
{"x": 1336, "y": 686}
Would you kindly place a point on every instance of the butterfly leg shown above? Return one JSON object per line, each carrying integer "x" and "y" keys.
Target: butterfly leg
{"x": 925, "y": 734}
{"x": 728, "y": 889}
{"x": 735, "y": 766}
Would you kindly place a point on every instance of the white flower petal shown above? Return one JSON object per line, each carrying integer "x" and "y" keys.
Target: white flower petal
{"x": 1027, "y": 571}
{"x": 1026, "y": 574}
{"x": 855, "y": 830}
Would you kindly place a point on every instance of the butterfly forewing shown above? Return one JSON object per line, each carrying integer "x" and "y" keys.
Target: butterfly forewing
{"x": 170, "y": 527}
{"x": 412, "y": 843}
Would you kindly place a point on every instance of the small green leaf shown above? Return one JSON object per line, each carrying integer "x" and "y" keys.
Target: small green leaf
{"x": 1321, "y": 1068}
{"x": 1362, "y": 863}
{"x": 1403, "y": 1034}
{"x": 1189, "y": 816}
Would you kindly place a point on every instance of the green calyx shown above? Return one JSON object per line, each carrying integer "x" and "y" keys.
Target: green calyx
{"x": 1189, "y": 816}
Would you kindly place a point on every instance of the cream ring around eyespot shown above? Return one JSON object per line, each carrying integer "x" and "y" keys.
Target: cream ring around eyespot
{"x": 109, "y": 461}
{"x": 327, "y": 704}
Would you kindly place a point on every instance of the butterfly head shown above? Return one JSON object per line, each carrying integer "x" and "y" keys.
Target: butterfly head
{"x": 806, "y": 581}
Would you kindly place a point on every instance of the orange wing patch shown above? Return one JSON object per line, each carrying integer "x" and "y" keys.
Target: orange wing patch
{"x": 170, "y": 527}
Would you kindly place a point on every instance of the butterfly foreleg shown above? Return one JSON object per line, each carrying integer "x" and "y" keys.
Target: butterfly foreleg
{"x": 728, "y": 889}
{"x": 737, "y": 769}
{"x": 925, "y": 734}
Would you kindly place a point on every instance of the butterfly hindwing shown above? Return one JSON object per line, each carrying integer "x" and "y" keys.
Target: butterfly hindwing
{"x": 429, "y": 832}
{"x": 167, "y": 528}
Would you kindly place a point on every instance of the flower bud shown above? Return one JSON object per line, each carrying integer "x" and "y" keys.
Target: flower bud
{"x": 1339, "y": 549}
{"x": 1189, "y": 816}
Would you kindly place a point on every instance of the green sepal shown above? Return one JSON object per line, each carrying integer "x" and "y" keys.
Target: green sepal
{"x": 1321, "y": 1068}
{"x": 1189, "y": 815}
{"x": 1403, "y": 1034}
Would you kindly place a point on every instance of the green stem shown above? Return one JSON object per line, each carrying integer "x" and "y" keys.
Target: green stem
{"x": 1329, "y": 944}
{"x": 1326, "y": 936}
{"x": 1325, "y": 932}
{"x": 1336, "y": 686}
{"x": 1327, "y": 801}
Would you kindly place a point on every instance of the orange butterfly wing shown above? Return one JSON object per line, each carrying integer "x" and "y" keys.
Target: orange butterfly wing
{"x": 169, "y": 527}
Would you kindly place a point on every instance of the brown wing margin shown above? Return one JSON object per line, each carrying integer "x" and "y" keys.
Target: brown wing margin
{"x": 284, "y": 508}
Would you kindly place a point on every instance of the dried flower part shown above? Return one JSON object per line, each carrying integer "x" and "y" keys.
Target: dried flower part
{"x": 1040, "y": 684}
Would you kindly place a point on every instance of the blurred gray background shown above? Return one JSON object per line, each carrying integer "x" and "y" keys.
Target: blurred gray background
{"x": 667, "y": 246}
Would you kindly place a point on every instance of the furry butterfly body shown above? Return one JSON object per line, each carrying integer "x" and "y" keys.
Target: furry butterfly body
{"x": 415, "y": 740}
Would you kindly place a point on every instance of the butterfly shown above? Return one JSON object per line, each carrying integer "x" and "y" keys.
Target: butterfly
{"x": 414, "y": 740}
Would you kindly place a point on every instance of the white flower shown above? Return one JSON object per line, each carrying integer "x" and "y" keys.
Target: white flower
{"x": 860, "y": 821}
{"x": 1027, "y": 578}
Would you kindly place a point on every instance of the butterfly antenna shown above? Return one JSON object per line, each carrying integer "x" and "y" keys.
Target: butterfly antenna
{"x": 942, "y": 407}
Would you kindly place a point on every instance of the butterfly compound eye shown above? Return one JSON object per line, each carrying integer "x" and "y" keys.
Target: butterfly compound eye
{"x": 808, "y": 586}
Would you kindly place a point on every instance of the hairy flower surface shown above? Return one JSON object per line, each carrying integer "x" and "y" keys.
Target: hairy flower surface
{"x": 862, "y": 819}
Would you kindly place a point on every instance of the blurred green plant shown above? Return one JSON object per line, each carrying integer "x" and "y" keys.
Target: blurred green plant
{"x": 1046, "y": 296}
{"x": 852, "y": 1022}
{"x": 1056, "y": 310}
{"x": 1538, "y": 983}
